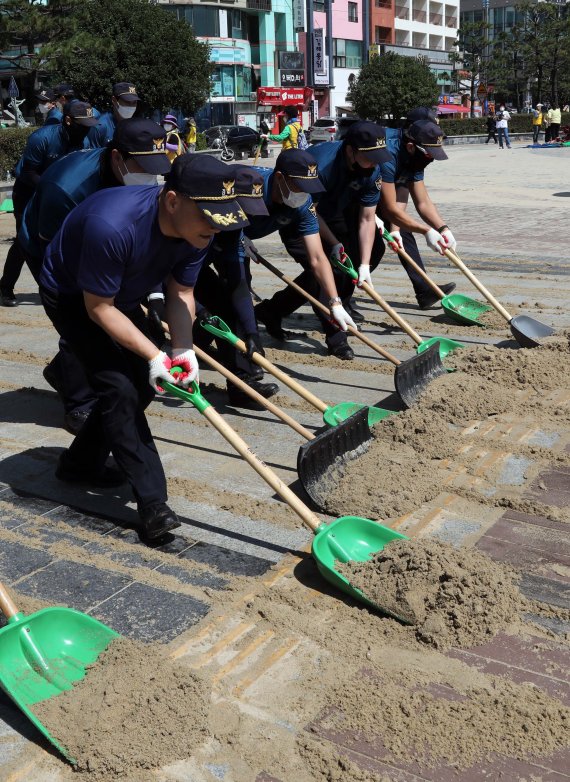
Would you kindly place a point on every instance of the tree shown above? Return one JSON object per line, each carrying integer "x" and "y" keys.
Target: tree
{"x": 391, "y": 85}
{"x": 473, "y": 43}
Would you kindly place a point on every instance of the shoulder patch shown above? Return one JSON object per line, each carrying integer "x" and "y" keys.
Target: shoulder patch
{"x": 378, "y": 183}
{"x": 313, "y": 210}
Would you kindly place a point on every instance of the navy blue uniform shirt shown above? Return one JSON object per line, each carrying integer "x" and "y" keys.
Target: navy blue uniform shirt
{"x": 399, "y": 170}
{"x": 103, "y": 132}
{"x": 111, "y": 246}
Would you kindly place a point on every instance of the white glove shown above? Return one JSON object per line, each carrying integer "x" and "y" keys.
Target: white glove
{"x": 338, "y": 253}
{"x": 435, "y": 241}
{"x": 380, "y": 224}
{"x": 450, "y": 242}
{"x": 364, "y": 275}
{"x": 397, "y": 237}
{"x": 159, "y": 369}
{"x": 264, "y": 136}
{"x": 341, "y": 317}
{"x": 188, "y": 363}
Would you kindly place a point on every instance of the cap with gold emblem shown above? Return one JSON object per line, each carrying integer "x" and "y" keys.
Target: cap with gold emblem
{"x": 211, "y": 184}
{"x": 143, "y": 140}
{"x": 301, "y": 168}
{"x": 369, "y": 139}
{"x": 81, "y": 113}
{"x": 428, "y": 135}
{"x": 126, "y": 91}
{"x": 249, "y": 190}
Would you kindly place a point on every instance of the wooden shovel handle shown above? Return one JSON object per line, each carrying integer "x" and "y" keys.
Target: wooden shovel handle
{"x": 254, "y": 394}
{"x": 257, "y": 152}
{"x": 325, "y": 310}
{"x": 425, "y": 277}
{"x": 456, "y": 261}
{"x": 304, "y": 513}
{"x": 6, "y": 603}
{"x": 403, "y": 324}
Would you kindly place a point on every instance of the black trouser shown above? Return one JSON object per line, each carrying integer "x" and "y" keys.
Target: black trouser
{"x": 212, "y": 293}
{"x": 554, "y": 130}
{"x": 535, "y": 132}
{"x": 491, "y": 135}
{"x": 16, "y": 258}
{"x": 117, "y": 423}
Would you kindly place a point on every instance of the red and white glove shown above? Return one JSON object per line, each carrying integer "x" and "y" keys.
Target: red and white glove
{"x": 450, "y": 243}
{"x": 159, "y": 369}
{"x": 187, "y": 362}
{"x": 435, "y": 241}
{"x": 338, "y": 253}
{"x": 341, "y": 317}
{"x": 397, "y": 237}
{"x": 364, "y": 275}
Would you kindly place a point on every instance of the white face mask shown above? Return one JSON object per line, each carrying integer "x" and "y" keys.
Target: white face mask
{"x": 293, "y": 200}
{"x": 168, "y": 126}
{"x": 43, "y": 108}
{"x": 130, "y": 178}
{"x": 126, "y": 112}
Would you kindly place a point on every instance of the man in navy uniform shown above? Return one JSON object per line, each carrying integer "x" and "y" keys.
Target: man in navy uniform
{"x": 123, "y": 106}
{"x": 111, "y": 250}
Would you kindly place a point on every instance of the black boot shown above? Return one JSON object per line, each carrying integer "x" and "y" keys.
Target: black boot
{"x": 271, "y": 320}
{"x": 429, "y": 298}
{"x": 156, "y": 521}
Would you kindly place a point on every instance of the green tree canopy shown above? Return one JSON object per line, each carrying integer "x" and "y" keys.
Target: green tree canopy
{"x": 136, "y": 41}
{"x": 391, "y": 85}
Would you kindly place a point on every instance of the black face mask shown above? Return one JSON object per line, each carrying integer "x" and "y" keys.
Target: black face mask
{"x": 76, "y": 134}
{"x": 359, "y": 171}
{"x": 418, "y": 161}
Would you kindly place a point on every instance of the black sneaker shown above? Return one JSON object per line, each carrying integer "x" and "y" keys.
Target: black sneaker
{"x": 342, "y": 351}
{"x": 355, "y": 314}
{"x": 156, "y": 521}
{"x": 7, "y": 298}
{"x": 270, "y": 320}
{"x": 430, "y": 298}
{"x": 108, "y": 478}
{"x": 73, "y": 422}
{"x": 266, "y": 390}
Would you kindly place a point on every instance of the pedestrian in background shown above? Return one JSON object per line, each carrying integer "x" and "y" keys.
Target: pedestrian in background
{"x": 503, "y": 118}
{"x": 191, "y": 135}
{"x": 536, "y": 122}
{"x": 292, "y": 135}
{"x": 491, "y": 129}
{"x": 174, "y": 143}
{"x": 546, "y": 122}
{"x": 555, "y": 118}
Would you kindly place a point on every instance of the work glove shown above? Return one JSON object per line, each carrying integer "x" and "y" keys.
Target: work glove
{"x": 186, "y": 361}
{"x": 341, "y": 317}
{"x": 156, "y": 313}
{"x": 159, "y": 369}
{"x": 338, "y": 253}
{"x": 264, "y": 136}
{"x": 397, "y": 243}
{"x": 450, "y": 242}
{"x": 380, "y": 225}
{"x": 435, "y": 241}
{"x": 364, "y": 275}
{"x": 253, "y": 345}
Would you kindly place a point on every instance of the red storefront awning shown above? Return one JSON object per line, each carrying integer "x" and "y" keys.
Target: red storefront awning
{"x": 284, "y": 96}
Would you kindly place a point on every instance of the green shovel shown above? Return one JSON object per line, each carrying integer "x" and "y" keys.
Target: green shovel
{"x": 332, "y": 414}
{"x": 347, "y": 539}
{"x": 445, "y": 345}
{"x": 45, "y": 654}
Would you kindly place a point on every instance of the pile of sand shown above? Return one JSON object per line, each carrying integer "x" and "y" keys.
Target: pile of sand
{"x": 134, "y": 711}
{"x": 451, "y": 597}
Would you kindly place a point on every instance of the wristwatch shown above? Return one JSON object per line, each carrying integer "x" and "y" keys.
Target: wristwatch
{"x": 335, "y": 300}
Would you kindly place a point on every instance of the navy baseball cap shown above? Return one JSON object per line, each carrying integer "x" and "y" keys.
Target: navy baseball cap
{"x": 421, "y": 112}
{"x": 125, "y": 91}
{"x": 249, "y": 190}
{"x": 302, "y": 168}
{"x": 47, "y": 95}
{"x": 428, "y": 135}
{"x": 64, "y": 90}
{"x": 81, "y": 113}
{"x": 145, "y": 141}
{"x": 370, "y": 139}
{"x": 211, "y": 185}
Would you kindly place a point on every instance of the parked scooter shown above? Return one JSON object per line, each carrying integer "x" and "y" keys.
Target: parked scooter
{"x": 221, "y": 142}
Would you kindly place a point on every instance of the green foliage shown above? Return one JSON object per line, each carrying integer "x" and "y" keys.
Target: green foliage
{"x": 518, "y": 123}
{"x": 201, "y": 141}
{"x": 388, "y": 86}
{"x": 132, "y": 40}
{"x": 12, "y": 143}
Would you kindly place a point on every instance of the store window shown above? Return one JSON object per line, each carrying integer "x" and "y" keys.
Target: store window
{"x": 353, "y": 12}
{"x": 243, "y": 82}
{"x": 204, "y": 20}
{"x": 347, "y": 54}
{"x": 237, "y": 24}
{"x": 223, "y": 81}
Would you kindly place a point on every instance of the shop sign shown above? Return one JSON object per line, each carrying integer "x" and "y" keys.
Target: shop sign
{"x": 292, "y": 78}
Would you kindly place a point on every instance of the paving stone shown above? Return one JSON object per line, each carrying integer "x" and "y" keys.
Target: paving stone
{"x": 227, "y": 560}
{"x": 173, "y": 543}
{"x": 151, "y": 615}
{"x": 552, "y": 541}
{"x": 49, "y": 534}
{"x": 545, "y": 590}
{"x": 197, "y": 577}
{"x": 72, "y": 584}
{"x": 551, "y": 487}
{"x": 18, "y": 560}
{"x": 560, "y": 627}
{"x": 77, "y": 519}
{"x": 35, "y": 505}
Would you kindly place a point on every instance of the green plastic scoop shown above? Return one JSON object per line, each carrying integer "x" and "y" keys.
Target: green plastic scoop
{"x": 332, "y": 414}
{"x": 348, "y": 538}
{"x": 44, "y": 654}
{"x": 445, "y": 345}
{"x": 460, "y": 308}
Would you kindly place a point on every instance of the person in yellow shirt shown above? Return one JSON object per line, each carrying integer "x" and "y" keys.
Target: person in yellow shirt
{"x": 291, "y": 133}
{"x": 555, "y": 118}
{"x": 191, "y": 135}
{"x": 536, "y": 122}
